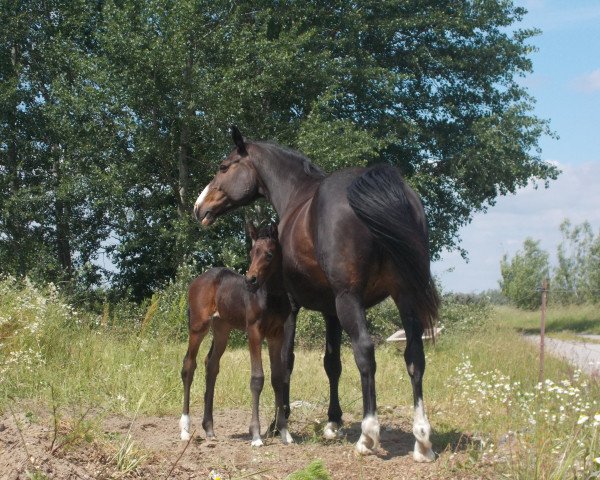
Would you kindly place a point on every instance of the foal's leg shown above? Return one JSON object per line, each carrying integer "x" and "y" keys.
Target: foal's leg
{"x": 277, "y": 376}
{"x": 220, "y": 337}
{"x": 198, "y": 330}
{"x": 415, "y": 364}
{"x": 257, "y": 380}
{"x": 352, "y": 317}
{"x": 333, "y": 368}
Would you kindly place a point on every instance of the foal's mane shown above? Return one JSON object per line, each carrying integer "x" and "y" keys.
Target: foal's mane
{"x": 280, "y": 151}
{"x": 268, "y": 231}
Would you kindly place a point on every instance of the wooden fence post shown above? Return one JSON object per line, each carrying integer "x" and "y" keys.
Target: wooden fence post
{"x": 543, "y": 327}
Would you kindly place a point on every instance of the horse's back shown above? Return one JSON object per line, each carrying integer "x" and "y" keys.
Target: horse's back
{"x": 206, "y": 292}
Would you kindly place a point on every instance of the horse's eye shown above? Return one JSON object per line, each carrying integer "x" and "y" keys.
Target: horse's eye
{"x": 269, "y": 255}
{"x": 223, "y": 167}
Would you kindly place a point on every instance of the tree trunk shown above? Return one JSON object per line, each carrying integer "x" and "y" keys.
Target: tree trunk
{"x": 62, "y": 213}
{"x": 184, "y": 138}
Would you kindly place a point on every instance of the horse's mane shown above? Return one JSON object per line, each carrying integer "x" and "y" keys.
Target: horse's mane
{"x": 309, "y": 168}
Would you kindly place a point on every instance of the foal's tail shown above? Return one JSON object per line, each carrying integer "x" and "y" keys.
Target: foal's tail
{"x": 395, "y": 216}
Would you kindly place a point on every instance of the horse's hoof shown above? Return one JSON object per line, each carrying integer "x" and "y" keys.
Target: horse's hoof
{"x": 423, "y": 454}
{"x": 257, "y": 442}
{"x": 184, "y": 424}
{"x": 331, "y": 431}
{"x": 368, "y": 443}
{"x": 364, "y": 446}
{"x": 286, "y": 438}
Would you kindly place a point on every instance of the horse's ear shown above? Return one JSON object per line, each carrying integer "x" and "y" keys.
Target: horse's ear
{"x": 238, "y": 140}
{"x": 252, "y": 231}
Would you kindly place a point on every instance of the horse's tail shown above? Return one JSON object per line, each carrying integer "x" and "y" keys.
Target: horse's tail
{"x": 395, "y": 216}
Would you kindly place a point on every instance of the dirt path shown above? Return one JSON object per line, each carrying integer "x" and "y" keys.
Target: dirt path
{"x": 584, "y": 354}
{"x": 156, "y": 440}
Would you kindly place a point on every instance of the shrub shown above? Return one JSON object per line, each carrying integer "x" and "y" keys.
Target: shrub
{"x": 461, "y": 313}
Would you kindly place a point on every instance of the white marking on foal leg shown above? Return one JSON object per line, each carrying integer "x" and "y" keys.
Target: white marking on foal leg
{"x": 331, "y": 431}
{"x": 201, "y": 197}
{"x": 422, "y": 430}
{"x": 369, "y": 440}
{"x": 184, "y": 424}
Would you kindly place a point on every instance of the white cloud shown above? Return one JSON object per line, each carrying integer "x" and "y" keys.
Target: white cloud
{"x": 588, "y": 83}
{"x": 535, "y": 213}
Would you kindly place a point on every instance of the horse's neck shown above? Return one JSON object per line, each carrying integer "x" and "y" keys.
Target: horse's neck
{"x": 285, "y": 181}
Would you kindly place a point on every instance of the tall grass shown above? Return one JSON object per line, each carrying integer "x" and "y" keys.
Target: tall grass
{"x": 480, "y": 382}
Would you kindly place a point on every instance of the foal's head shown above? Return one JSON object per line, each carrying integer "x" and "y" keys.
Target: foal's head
{"x": 265, "y": 256}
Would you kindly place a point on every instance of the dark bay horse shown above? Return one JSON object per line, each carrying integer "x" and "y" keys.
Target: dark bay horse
{"x": 349, "y": 240}
{"x": 256, "y": 303}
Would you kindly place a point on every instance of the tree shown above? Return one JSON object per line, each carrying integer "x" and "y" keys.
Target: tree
{"x": 523, "y": 275}
{"x": 140, "y": 94}
{"x": 576, "y": 278}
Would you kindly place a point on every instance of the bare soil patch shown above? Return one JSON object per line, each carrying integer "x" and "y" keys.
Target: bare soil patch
{"x": 95, "y": 452}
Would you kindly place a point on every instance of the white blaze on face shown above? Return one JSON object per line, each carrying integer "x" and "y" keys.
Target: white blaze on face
{"x": 201, "y": 197}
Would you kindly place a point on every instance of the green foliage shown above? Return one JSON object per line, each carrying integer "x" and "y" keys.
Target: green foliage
{"x": 576, "y": 279}
{"x": 314, "y": 471}
{"x": 461, "y": 314}
{"x": 113, "y": 118}
{"x": 522, "y": 276}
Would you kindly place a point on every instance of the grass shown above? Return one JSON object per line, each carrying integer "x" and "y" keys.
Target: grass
{"x": 576, "y": 319}
{"x": 480, "y": 385}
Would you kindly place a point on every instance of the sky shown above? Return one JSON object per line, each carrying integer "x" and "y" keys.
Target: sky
{"x": 566, "y": 85}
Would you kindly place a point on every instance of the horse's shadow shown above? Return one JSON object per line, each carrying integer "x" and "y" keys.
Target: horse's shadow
{"x": 395, "y": 441}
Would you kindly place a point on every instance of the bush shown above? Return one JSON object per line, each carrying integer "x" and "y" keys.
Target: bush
{"x": 462, "y": 313}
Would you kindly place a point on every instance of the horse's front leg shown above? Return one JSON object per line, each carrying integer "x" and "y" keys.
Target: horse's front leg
{"x": 352, "y": 317}
{"x": 333, "y": 368}
{"x": 287, "y": 353}
{"x": 277, "y": 376}
{"x": 257, "y": 380}
{"x": 414, "y": 356}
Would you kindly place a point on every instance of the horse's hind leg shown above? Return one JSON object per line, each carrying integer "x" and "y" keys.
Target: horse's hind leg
{"x": 220, "y": 337}
{"x": 197, "y": 332}
{"x": 352, "y": 317}
{"x": 333, "y": 368}
{"x": 277, "y": 377}
{"x": 414, "y": 356}
{"x": 257, "y": 380}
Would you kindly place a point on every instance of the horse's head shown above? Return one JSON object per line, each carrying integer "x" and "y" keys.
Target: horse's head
{"x": 265, "y": 256}
{"x": 234, "y": 185}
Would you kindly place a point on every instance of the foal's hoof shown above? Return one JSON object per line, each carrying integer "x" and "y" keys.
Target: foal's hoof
{"x": 331, "y": 431}
{"x": 257, "y": 442}
{"x": 423, "y": 454}
{"x": 185, "y": 436}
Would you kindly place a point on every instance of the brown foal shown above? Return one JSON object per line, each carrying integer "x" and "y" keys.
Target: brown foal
{"x": 257, "y": 303}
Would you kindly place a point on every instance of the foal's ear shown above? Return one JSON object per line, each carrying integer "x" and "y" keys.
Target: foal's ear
{"x": 252, "y": 232}
{"x": 238, "y": 140}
